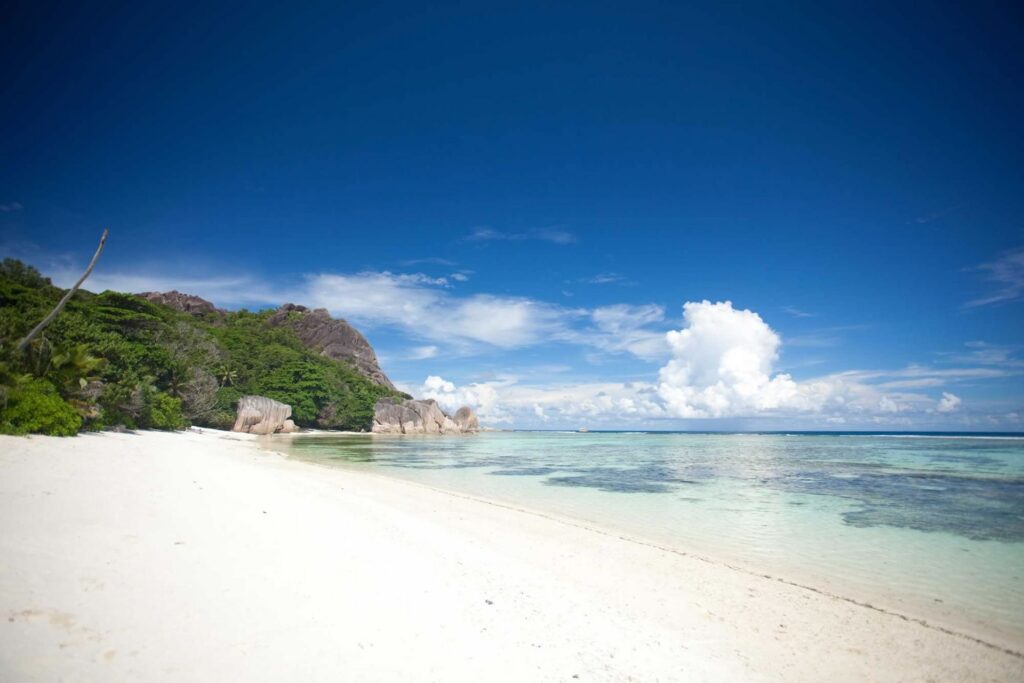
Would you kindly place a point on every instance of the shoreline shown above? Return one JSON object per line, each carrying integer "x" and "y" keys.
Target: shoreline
{"x": 936, "y": 623}
{"x": 1000, "y": 638}
{"x": 937, "y": 610}
{"x": 439, "y": 585}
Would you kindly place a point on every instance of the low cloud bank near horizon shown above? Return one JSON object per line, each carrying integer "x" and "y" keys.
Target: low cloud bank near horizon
{"x": 722, "y": 366}
{"x": 719, "y": 364}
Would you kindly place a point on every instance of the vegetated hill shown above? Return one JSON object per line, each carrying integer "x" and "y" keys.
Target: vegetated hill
{"x": 111, "y": 360}
{"x": 316, "y": 329}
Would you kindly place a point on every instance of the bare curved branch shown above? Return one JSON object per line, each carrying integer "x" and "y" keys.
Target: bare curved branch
{"x": 60, "y": 305}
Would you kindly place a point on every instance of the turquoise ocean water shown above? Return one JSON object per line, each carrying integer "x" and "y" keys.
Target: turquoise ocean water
{"x": 931, "y": 526}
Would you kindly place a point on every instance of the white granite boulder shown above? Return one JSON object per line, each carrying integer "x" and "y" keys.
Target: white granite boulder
{"x": 394, "y": 416}
{"x": 262, "y": 415}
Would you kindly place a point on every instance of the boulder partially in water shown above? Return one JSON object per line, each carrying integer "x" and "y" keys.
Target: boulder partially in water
{"x": 391, "y": 416}
{"x": 466, "y": 419}
{"x": 395, "y": 416}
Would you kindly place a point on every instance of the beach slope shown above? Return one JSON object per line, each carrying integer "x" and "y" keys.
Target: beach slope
{"x": 204, "y": 556}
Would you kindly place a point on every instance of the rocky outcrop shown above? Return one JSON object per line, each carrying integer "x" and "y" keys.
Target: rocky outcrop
{"x": 262, "y": 415}
{"x": 185, "y": 303}
{"x": 316, "y": 329}
{"x": 466, "y": 419}
{"x": 331, "y": 337}
{"x": 395, "y": 416}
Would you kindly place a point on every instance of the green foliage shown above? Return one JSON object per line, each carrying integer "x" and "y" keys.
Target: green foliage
{"x": 162, "y": 412}
{"x": 227, "y": 398}
{"x": 22, "y": 274}
{"x": 120, "y": 360}
{"x": 70, "y": 368}
{"x": 271, "y": 361}
{"x": 223, "y": 414}
{"x": 121, "y": 404}
{"x": 33, "y": 406}
{"x": 25, "y": 299}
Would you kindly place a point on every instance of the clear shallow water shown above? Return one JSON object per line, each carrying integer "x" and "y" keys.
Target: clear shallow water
{"x": 928, "y": 525}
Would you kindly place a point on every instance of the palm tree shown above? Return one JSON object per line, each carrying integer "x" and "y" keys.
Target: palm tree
{"x": 71, "y": 368}
{"x": 226, "y": 375}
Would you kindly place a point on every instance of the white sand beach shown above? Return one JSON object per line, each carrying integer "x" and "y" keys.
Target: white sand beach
{"x": 204, "y": 557}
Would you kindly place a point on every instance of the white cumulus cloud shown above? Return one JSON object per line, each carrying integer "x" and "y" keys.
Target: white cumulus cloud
{"x": 722, "y": 365}
{"x": 948, "y": 403}
{"x": 482, "y": 398}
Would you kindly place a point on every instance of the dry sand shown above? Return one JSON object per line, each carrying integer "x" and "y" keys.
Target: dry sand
{"x": 202, "y": 557}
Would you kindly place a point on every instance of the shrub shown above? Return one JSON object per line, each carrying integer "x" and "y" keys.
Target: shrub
{"x": 227, "y": 399}
{"x": 22, "y": 274}
{"x": 122, "y": 403}
{"x": 35, "y": 407}
{"x": 225, "y": 404}
{"x": 162, "y": 411}
{"x": 220, "y": 419}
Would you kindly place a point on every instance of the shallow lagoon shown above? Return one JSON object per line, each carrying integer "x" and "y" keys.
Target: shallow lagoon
{"x": 931, "y": 526}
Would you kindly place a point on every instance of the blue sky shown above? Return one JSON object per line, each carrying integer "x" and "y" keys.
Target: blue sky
{"x": 517, "y": 200}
